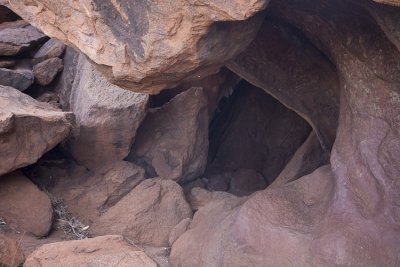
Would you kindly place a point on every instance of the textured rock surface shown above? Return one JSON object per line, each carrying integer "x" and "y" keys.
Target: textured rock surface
{"x": 18, "y": 79}
{"x": 147, "y": 214}
{"x": 16, "y": 41}
{"x": 28, "y": 129}
{"x": 52, "y": 48}
{"x": 146, "y": 45}
{"x": 173, "y": 139}
{"x": 107, "y": 118}
{"x": 289, "y": 67}
{"x": 46, "y": 71}
{"x": 10, "y": 254}
{"x": 110, "y": 250}
{"x": 23, "y": 206}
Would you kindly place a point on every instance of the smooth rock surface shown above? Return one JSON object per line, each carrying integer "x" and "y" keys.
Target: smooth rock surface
{"x": 109, "y": 250}
{"x": 28, "y": 129}
{"x": 46, "y": 71}
{"x": 23, "y": 206}
{"x": 145, "y": 45}
{"x": 147, "y": 214}
{"x": 107, "y": 118}
{"x": 18, "y": 79}
{"x": 173, "y": 140}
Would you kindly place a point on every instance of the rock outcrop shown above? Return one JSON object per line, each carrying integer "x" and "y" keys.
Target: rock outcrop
{"x": 107, "y": 118}
{"x": 28, "y": 129}
{"x": 144, "y": 45}
{"x": 23, "y": 206}
{"x": 99, "y": 251}
{"x": 172, "y": 142}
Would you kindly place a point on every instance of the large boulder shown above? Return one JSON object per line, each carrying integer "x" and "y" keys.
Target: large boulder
{"x": 172, "y": 142}
{"x": 23, "y": 206}
{"x": 107, "y": 118}
{"x": 109, "y": 250}
{"x": 28, "y": 129}
{"x": 146, "y": 215}
{"x": 145, "y": 45}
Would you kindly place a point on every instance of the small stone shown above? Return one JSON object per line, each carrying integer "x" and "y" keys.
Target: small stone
{"x": 46, "y": 71}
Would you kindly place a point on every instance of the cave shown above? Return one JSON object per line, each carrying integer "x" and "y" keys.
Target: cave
{"x": 242, "y": 133}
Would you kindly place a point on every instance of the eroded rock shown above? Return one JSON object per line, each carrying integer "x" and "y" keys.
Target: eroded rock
{"x": 100, "y": 251}
{"x": 107, "y": 118}
{"x": 28, "y": 129}
{"x": 46, "y": 71}
{"x": 147, "y": 214}
{"x": 144, "y": 45}
{"x": 173, "y": 139}
{"x": 23, "y": 206}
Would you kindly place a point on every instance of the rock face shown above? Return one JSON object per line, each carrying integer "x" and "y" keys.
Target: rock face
{"x": 144, "y": 45}
{"x": 28, "y": 129}
{"x": 10, "y": 254}
{"x": 173, "y": 140}
{"x": 107, "y": 118}
{"x": 46, "y": 71}
{"x": 290, "y": 68}
{"x": 147, "y": 214}
{"x": 18, "y": 79}
{"x": 16, "y": 41}
{"x": 110, "y": 250}
{"x": 23, "y": 206}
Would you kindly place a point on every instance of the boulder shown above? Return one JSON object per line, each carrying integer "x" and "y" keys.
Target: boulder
{"x": 18, "y": 40}
{"x": 145, "y": 45}
{"x": 107, "y": 118}
{"x": 147, "y": 214}
{"x": 10, "y": 253}
{"x": 28, "y": 129}
{"x": 50, "y": 49}
{"x": 23, "y": 206}
{"x": 173, "y": 140}
{"x": 19, "y": 79}
{"x": 46, "y": 71}
{"x": 109, "y": 250}
{"x": 178, "y": 230}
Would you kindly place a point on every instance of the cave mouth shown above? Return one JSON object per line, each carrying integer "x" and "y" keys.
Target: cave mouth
{"x": 252, "y": 137}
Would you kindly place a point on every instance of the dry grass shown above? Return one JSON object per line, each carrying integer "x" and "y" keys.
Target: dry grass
{"x": 64, "y": 220}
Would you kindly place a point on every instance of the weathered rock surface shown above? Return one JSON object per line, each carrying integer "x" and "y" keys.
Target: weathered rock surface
{"x": 18, "y": 79}
{"x": 28, "y": 129}
{"x": 147, "y": 214}
{"x": 23, "y": 206}
{"x": 309, "y": 157}
{"x": 107, "y": 118}
{"x": 110, "y": 250}
{"x": 173, "y": 140}
{"x": 18, "y": 40}
{"x": 147, "y": 46}
{"x": 285, "y": 64}
{"x": 46, "y": 71}
{"x": 50, "y": 49}
{"x": 10, "y": 254}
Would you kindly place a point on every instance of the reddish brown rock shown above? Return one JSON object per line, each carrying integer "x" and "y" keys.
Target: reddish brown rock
{"x": 178, "y": 230}
{"x": 107, "y": 118}
{"x": 23, "y": 206}
{"x": 147, "y": 214}
{"x": 147, "y": 46}
{"x": 28, "y": 129}
{"x": 109, "y": 250}
{"x": 173, "y": 140}
{"x": 46, "y": 71}
{"x": 10, "y": 253}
